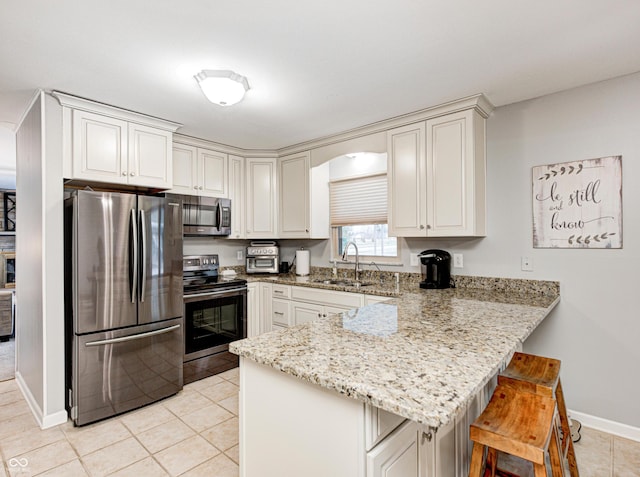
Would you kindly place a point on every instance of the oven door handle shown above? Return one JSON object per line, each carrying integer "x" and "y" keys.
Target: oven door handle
{"x": 214, "y": 294}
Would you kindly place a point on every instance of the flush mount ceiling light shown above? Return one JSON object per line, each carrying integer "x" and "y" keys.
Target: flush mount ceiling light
{"x": 222, "y": 87}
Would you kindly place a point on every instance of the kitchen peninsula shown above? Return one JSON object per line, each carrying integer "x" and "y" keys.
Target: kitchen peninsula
{"x": 386, "y": 389}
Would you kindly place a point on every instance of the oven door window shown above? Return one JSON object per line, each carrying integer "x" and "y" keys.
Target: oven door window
{"x": 213, "y": 322}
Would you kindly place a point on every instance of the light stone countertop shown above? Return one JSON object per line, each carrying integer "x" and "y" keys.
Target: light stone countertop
{"x": 422, "y": 355}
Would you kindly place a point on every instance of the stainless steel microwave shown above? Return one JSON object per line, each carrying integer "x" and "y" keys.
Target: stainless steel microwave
{"x": 204, "y": 215}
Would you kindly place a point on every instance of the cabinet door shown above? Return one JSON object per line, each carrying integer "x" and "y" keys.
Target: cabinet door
{"x": 406, "y": 175}
{"x": 212, "y": 171}
{"x": 150, "y": 155}
{"x": 265, "y": 307}
{"x": 253, "y": 310}
{"x": 236, "y": 194}
{"x": 99, "y": 148}
{"x": 305, "y": 312}
{"x": 261, "y": 198}
{"x": 185, "y": 160}
{"x": 294, "y": 196}
{"x": 397, "y": 455}
{"x": 456, "y": 175}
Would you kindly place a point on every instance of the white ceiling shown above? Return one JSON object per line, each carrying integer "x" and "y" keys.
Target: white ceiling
{"x": 315, "y": 68}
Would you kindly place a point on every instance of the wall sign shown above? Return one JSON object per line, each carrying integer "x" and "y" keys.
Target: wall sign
{"x": 578, "y": 204}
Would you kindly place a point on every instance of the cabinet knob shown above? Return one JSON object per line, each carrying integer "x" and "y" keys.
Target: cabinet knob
{"x": 200, "y": 187}
{"x": 124, "y": 173}
{"x": 195, "y": 187}
{"x": 306, "y": 230}
{"x": 427, "y": 436}
{"x": 132, "y": 174}
{"x": 428, "y": 227}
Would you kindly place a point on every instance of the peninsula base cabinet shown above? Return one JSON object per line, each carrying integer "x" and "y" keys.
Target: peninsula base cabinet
{"x": 321, "y": 433}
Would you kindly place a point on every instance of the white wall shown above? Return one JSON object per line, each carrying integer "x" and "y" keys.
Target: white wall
{"x": 39, "y": 262}
{"x": 596, "y": 328}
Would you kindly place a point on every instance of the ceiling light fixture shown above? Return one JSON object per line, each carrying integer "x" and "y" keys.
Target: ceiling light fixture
{"x": 222, "y": 87}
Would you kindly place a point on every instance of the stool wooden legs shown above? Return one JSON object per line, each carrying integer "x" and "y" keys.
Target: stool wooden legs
{"x": 567, "y": 442}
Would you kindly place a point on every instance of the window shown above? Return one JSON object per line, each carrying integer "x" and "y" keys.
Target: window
{"x": 358, "y": 210}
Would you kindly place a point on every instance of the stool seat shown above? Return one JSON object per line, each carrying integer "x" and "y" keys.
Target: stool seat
{"x": 531, "y": 373}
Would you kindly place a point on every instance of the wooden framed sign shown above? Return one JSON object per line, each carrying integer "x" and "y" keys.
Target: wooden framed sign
{"x": 578, "y": 204}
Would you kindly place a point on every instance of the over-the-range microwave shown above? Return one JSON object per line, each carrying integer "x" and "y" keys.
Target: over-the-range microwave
{"x": 204, "y": 215}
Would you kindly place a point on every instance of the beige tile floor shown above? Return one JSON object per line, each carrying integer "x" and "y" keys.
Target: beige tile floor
{"x": 192, "y": 434}
{"x": 7, "y": 359}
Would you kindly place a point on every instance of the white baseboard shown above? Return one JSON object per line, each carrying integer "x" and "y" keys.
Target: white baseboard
{"x": 605, "y": 425}
{"x": 43, "y": 421}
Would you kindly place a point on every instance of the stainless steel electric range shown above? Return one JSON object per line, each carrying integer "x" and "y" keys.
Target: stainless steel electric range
{"x": 215, "y": 314}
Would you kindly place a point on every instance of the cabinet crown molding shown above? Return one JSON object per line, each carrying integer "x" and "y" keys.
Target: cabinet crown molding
{"x": 83, "y": 104}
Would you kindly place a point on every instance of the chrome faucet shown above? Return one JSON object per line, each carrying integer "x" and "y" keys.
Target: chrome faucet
{"x": 345, "y": 257}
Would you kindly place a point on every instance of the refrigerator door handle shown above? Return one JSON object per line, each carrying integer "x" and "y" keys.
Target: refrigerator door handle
{"x": 143, "y": 237}
{"x": 133, "y": 255}
{"x": 132, "y": 337}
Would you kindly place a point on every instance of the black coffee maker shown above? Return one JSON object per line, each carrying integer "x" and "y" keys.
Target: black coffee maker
{"x": 436, "y": 269}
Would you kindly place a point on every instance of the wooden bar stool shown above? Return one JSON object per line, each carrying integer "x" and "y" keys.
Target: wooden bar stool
{"x": 540, "y": 375}
{"x": 516, "y": 423}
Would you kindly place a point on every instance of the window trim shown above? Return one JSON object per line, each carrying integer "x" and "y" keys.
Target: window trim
{"x": 364, "y": 259}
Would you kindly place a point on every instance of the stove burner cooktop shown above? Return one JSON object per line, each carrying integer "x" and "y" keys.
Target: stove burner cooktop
{"x": 200, "y": 275}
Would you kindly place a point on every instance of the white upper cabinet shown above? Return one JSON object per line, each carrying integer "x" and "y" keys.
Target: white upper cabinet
{"x": 212, "y": 169}
{"x": 198, "y": 171}
{"x": 304, "y": 197}
{"x": 237, "y": 196}
{"x": 406, "y": 175}
{"x": 262, "y": 198}
{"x": 150, "y": 157}
{"x": 437, "y": 177}
{"x": 185, "y": 160}
{"x": 293, "y": 176}
{"x": 456, "y": 167}
{"x": 106, "y": 144}
{"x": 100, "y": 148}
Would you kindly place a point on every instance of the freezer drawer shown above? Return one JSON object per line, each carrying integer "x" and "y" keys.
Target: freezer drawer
{"x": 116, "y": 371}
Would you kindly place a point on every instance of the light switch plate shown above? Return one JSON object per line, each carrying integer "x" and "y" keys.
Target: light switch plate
{"x": 239, "y": 255}
{"x": 527, "y": 264}
{"x": 415, "y": 261}
{"x": 457, "y": 260}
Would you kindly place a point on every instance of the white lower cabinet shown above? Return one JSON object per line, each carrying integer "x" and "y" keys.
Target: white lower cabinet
{"x": 274, "y": 306}
{"x": 280, "y": 313}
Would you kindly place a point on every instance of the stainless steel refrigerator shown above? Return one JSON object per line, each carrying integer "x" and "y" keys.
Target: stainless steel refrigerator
{"x": 123, "y": 302}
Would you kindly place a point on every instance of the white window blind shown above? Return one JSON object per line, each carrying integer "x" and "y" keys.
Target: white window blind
{"x": 362, "y": 200}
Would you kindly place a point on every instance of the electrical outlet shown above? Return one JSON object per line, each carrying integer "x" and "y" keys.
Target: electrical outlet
{"x": 527, "y": 264}
{"x": 457, "y": 260}
{"x": 239, "y": 255}
{"x": 415, "y": 261}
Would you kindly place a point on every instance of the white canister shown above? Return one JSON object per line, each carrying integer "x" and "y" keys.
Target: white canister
{"x": 302, "y": 262}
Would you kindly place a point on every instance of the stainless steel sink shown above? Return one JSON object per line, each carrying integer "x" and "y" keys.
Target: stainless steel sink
{"x": 343, "y": 283}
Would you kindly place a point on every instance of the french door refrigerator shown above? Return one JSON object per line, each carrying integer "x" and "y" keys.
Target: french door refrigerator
{"x": 123, "y": 302}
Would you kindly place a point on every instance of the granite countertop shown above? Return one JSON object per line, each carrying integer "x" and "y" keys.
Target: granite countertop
{"x": 422, "y": 355}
